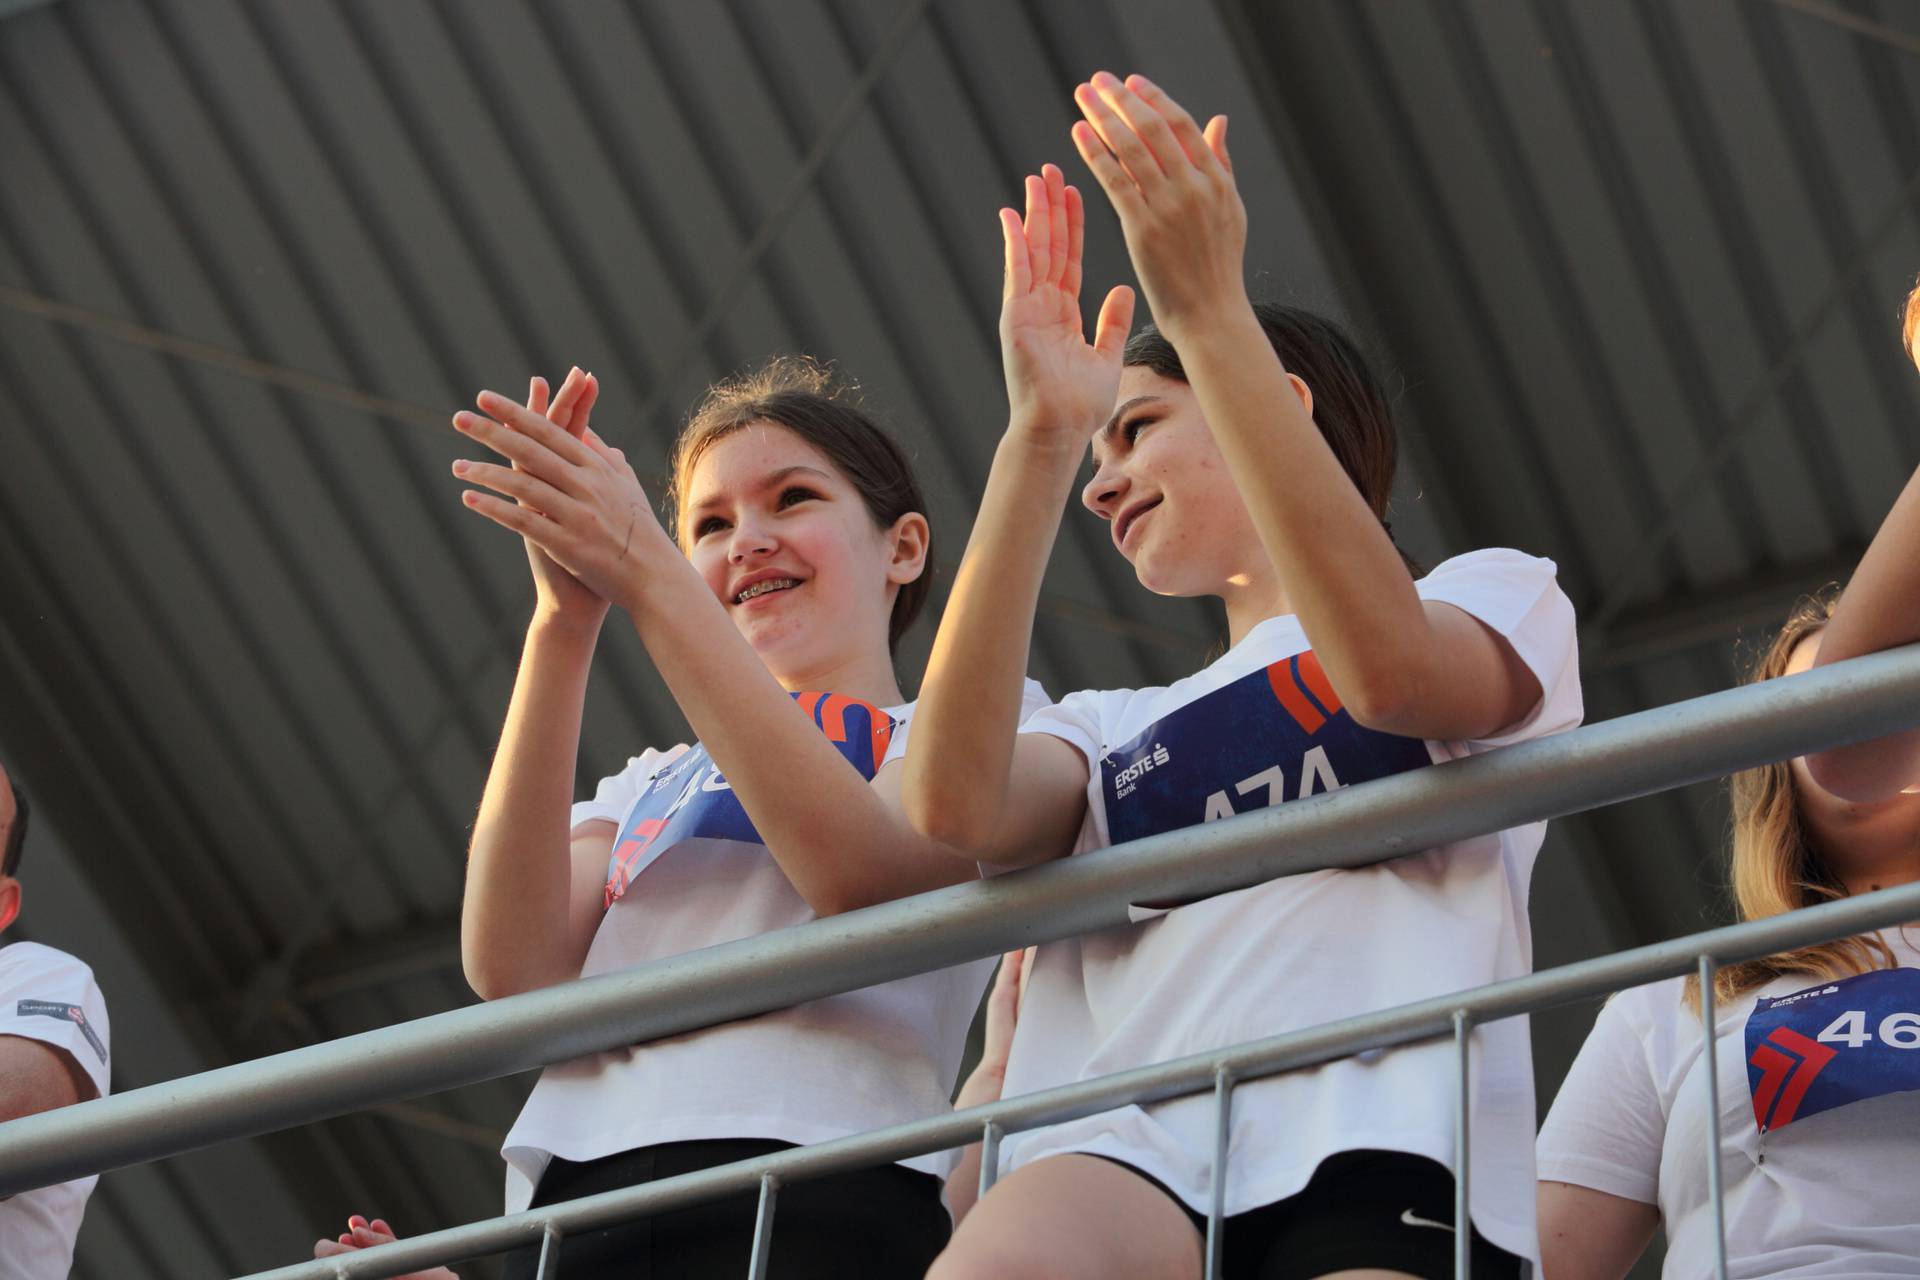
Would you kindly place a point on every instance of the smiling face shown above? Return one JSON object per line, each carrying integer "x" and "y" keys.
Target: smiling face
{"x": 786, "y": 543}
{"x": 1171, "y": 505}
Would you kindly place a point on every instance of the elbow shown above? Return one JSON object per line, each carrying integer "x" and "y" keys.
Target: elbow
{"x": 489, "y": 976}
{"x": 960, "y": 826}
{"x": 1387, "y": 700}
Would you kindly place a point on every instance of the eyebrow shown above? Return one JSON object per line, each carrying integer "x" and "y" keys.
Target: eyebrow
{"x": 1126, "y": 408}
{"x": 768, "y": 481}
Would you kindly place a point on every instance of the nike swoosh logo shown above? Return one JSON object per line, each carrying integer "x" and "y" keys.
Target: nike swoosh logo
{"x": 1407, "y": 1216}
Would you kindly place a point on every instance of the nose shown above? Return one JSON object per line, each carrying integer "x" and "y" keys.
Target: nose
{"x": 1105, "y": 491}
{"x": 751, "y": 540}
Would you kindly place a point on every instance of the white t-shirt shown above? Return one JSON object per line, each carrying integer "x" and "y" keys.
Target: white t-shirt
{"x": 1259, "y": 726}
{"x": 689, "y": 871}
{"x": 1819, "y": 1089}
{"x": 49, "y": 996}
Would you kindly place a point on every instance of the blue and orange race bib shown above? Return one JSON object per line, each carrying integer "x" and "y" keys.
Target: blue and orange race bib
{"x": 1827, "y": 1046}
{"x": 689, "y": 799}
{"x": 1272, "y": 735}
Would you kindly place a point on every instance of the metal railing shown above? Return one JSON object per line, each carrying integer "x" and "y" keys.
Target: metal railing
{"x": 1599, "y": 764}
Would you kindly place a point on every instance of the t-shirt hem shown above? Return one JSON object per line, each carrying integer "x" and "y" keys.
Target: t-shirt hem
{"x": 1597, "y": 1175}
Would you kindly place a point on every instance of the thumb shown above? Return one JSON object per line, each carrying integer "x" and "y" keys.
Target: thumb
{"x": 1115, "y": 323}
{"x": 1216, "y": 135}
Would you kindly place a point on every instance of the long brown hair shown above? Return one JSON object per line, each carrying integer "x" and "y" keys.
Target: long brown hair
{"x": 1350, "y": 403}
{"x": 1776, "y": 868}
{"x": 803, "y": 395}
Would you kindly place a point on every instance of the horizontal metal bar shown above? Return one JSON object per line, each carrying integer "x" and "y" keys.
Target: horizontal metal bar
{"x": 1427, "y": 1019}
{"x": 1615, "y": 760}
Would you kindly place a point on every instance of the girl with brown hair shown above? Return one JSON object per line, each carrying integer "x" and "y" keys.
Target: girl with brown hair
{"x": 1818, "y": 1049}
{"x": 1243, "y": 452}
{"x": 798, "y": 553}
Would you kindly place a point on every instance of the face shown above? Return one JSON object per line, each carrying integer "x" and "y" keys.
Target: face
{"x": 786, "y": 543}
{"x": 1171, "y": 506}
{"x": 1854, "y": 837}
{"x": 9, "y": 887}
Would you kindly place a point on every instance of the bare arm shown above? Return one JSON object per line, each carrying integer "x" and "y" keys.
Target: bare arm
{"x": 1590, "y": 1235}
{"x": 989, "y": 1076}
{"x": 36, "y": 1076}
{"x": 1021, "y": 797}
{"x": 1399, "y": 665}
{"x": 1879, "y": 610}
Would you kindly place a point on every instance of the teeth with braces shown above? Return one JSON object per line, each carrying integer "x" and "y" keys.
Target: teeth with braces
{"x": 761, "y": 588}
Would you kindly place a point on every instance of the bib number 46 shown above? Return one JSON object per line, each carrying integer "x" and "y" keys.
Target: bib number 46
{"x": 1897, "y": 1030}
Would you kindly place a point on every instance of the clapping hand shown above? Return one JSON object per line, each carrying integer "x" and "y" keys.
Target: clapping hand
{"x": 362, "y": 1234}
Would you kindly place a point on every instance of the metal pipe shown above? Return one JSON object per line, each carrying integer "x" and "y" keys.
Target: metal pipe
{"x": 1615, "y": 760}
{"x": 989, "y": 1159}
{"x": 549, "y": 1266}
{"x": 1463, "y": 1149}
{"x": 1310, "y": 1047}
{"x": 763, "y": 1228}
{"x": 1710, "y": 1067}
{"x": 1222, "y": 1141}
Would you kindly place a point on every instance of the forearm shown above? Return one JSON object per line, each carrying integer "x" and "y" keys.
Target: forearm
{"x": 515, "y": 914}
{"x": 971, "y": 698}
{"x": 834, "y": 836}
{"x": 1880, "y": 609}
{"x": 1342, "y": 575}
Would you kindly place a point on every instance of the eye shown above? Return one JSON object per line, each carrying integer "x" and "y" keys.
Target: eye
{"x": 797, "y": 494}
{"x": 1134, "y": 426}
{"x": 712, "y": 524}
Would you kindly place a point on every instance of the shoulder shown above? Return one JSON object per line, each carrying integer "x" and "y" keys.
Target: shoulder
{"x": 33, "y": 961}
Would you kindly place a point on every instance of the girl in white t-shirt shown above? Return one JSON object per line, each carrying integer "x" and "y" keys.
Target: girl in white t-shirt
{"x": 1249, "y": 458}
{"x": 1818, "y": 1050}
{"x": 806, "y": 555}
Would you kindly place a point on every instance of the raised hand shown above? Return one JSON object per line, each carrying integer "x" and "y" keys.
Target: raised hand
{"x": 1003, "y": 1014}
{"x": 1057, "y": 383}
{"x": 573, "y": 497}
{"x": 1172, "y": 185}
{"x": 362, "y": 1234}
{"x": 557, "y": 591}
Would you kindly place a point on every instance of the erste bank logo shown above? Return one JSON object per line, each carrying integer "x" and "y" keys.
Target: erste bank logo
{"x": 689, "y": 798}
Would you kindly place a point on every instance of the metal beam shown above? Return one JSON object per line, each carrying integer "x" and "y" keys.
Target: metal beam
{"x": 1563, "y": 773}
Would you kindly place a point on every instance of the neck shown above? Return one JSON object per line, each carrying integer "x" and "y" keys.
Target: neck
{"x": 1251, "y": 598}
{"x": 867, "y": 676}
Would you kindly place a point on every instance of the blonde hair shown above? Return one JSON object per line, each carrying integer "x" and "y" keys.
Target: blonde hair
{"x": 1776, "y": 868}
{"x": 1910, "y": 320}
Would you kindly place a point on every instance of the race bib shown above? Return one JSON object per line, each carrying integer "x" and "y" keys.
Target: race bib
{"x": 1836, "y": 1043}
{"x": 689, "y": 798}
{"x": 1272, "y": 735}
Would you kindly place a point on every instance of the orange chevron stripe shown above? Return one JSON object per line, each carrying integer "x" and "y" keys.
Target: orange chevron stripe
{"x": 1315, "y": 678}
{"x": 1295, "y": 702}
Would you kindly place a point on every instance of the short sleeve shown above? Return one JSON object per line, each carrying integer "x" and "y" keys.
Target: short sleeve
{"x": 617, "y": 792}
{"x": 1608, "y": 1123}
{"x": 1032, "y": 697}
{"x": 1075, "y": 720}
{"x": 50, "y": 996}
{"x": 1519, "y": 597}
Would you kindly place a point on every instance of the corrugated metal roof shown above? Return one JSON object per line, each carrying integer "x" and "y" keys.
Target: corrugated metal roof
{"x": 1637, "y": 265}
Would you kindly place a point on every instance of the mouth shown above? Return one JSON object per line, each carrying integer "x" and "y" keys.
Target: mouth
{"x": 1124, "y": 523}
{"x": 762, "y": 588}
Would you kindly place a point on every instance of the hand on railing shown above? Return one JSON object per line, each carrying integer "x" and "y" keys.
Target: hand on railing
{"x": 362, "y": 1234}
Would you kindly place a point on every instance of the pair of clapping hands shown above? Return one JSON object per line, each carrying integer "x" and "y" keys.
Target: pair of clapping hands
{"x": 587, "y": 522}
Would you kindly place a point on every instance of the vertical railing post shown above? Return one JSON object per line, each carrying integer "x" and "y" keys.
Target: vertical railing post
{"x": 1710, "y": 1065}
{"x": 549, "y": 1265}
{"x": 763, "y": 1228}
{"x": 989, "y": 1158}
{"x": 1217, "y": 1205}
{"x": 1463, "y": 1149}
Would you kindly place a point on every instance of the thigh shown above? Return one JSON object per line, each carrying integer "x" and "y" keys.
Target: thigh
{"x": 1073, "y": 1218}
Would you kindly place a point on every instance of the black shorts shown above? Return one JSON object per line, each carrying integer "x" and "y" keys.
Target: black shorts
{"x": 887, "y": 1223}
{"x": 1382, "y": 1209}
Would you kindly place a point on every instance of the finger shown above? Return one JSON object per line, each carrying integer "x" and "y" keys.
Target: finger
{"x": 521, "y": 419}
{"x": 1039, "y": 225}
{"x": 1076, "y": 239}
{"x": 355, "y": 1220}
{"x": 380, "y": 1224}
{"x": 523, "y": 487}
{"x": 1119, "y": 137}
{"x": 560, "y": 412}
{"x": 524, "y": 521}
{"x": 1216, "y": 136}
{"x": 528, "y": 454}
{"x": 1113, "y": 179}
{"x": 537, "y": 395}
{"x": 330, "y": 1248}
{"x": 1056, "y": 222}
{"x": 1148, "y": 126}
{"x": 1019, "y": 274}
{"x": 1192, "y": 144}
{"x": 583, "y": 407}
{"x": 1115, "y": 322}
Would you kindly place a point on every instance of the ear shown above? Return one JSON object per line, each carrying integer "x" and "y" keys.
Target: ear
{"x": 1301, "y": 389}
{"x": 909, "y": 540}
{"x": 9, "y": 901}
